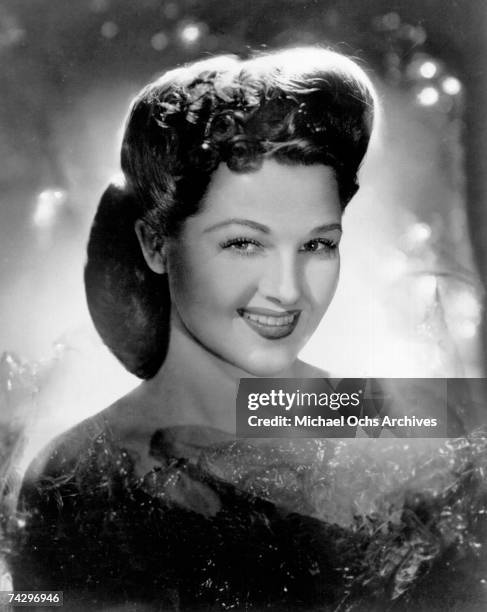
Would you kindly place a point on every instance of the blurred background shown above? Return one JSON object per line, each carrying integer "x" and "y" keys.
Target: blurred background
{"x": 410, "y": 302}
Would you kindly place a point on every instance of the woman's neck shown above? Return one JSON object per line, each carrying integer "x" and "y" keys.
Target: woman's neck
{"x": 196, "y": 387}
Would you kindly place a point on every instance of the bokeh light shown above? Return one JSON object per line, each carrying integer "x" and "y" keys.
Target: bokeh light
{"x": 416, "y": 34}
{"x": 428, "y": 96}
{"x": 391, "y": 21}
{"x": 48, "y": 204}
{"x": 417, "y": 234}
{"x": 465, "y": 310}
{"x": 11, "y": 33}
{"x": 109, "y": 29}
{"x": 467, "y": 330}
{"x": 423, "y": 66}
{"x": 451, "y": 86}
{"x": 190, "y": 33}
{"x": 465, "y": 304}
{"x": 159, "y": 41}
{"x": 420, "y": 232}
{"x": 428, "y": 69}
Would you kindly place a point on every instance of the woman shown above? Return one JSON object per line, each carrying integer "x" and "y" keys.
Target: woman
{"x": 235, "y": 181}
{"x": 214, "y": 260}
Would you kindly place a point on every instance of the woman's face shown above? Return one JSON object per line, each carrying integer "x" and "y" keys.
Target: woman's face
{"x": 253, "y": 273}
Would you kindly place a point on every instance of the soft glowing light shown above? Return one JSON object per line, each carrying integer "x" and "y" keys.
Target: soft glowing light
{"x": 466, "y": 305}
{"x": 419, "y": 233}
{"x": 48, "y": 205}
{"x": 391, "y": 21}
{"x": 159, "y": 41}
{"x": 428, "y": 96}
{"x": 190, "y": 33}
{"x": 428, "y": 69}
{"x": 11, "y": 34}
{"x": 426, "y": 287}
{"x": 465, "y": 309}
{"x": 451, "y": 86}
{"x": 396, "y": 265}
{"x": 109, "y": 29}
{"x": 467, "y": 329}
{"x": 417, "y": 34}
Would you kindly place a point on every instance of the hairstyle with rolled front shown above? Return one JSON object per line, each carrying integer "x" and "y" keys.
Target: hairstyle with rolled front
{"x": 297, "y": 106}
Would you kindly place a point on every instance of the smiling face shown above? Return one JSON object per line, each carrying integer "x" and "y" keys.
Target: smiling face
{"x": 253, "y": 273}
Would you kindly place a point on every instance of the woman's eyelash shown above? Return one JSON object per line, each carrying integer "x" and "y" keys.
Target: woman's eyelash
{"x": 320, "y": 245}
{"x": 250, "y": 246}
{"x": 243, "y": 246}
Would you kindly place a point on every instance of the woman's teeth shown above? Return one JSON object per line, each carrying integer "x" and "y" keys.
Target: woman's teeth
{"x": 275, "y": 321}
{"x": 271, "y": 327}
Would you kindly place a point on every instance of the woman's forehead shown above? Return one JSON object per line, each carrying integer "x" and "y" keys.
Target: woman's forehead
{"x": 296, "y": 194}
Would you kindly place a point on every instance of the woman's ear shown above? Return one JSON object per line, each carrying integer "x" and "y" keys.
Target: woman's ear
{"x": 152, "y": 250}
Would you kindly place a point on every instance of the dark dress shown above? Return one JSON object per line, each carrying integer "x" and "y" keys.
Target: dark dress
{"x": 237, "y": 527}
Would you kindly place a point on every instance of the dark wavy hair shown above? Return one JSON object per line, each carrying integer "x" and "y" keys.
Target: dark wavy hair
{"x": 298, "y": 106}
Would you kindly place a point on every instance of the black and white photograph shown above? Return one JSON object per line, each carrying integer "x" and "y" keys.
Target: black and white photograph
{"x": 243, "y": 338}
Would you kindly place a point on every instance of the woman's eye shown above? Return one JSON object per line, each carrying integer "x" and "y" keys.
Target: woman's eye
{"x": 243, "y": 246}
{"x": 320, "y": 246}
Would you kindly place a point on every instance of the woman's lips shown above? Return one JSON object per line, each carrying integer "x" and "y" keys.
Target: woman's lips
{"x": 268, "y": 324}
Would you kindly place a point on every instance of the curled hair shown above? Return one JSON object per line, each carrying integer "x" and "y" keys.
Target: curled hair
{"x": 298, "y": 106}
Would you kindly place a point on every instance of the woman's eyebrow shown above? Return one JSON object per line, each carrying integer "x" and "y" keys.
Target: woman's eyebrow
{"x": 326, "y": 228}
{"x": 246, "y": 222}
{"x": 263, "y": 228}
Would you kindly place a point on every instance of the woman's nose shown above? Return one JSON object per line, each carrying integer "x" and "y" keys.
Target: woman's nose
{"x": 280, "y": 280}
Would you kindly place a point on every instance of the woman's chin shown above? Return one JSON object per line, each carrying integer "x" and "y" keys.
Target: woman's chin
{"x": 267, "y": 367}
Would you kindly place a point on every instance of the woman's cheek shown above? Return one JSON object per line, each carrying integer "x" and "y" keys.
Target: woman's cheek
{"x": 192, "y": 276}
{"x": 322, "y": 282}
{"x": 234, "y": 282}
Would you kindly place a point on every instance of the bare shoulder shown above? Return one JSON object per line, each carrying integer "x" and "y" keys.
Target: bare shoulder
{"x": 61, "y": 455}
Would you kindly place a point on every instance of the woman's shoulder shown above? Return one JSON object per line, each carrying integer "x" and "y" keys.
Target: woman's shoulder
{"x": 122, "y": 430}
{"x": 61, "y": 455}
{"x": 64, "y": 452}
